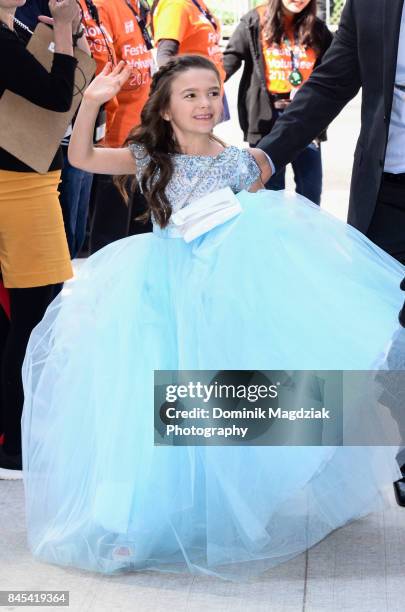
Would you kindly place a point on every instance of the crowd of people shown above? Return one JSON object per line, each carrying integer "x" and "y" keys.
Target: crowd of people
{"x": 140, "y": 149}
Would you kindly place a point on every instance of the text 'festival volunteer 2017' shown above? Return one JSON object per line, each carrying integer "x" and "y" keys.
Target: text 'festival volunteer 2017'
{"x": 101, "y": 44}
{"x": 125, "y": 20}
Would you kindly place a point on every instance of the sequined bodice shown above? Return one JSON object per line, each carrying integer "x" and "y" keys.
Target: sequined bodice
{"x": 195, "y": 176}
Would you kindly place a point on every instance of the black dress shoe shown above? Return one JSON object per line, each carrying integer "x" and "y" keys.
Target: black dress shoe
{"x": 10, "y": 466}
{"x": 399, "y": 489}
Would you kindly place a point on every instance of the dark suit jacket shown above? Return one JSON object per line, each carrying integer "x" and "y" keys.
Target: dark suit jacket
{"x": 363, "y": 54}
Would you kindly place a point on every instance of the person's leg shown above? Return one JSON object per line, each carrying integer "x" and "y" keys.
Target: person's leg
{"x": 391, "y": 384}
{"x": 387, "y": 227}
{"x": 85, "y": 248}
{"x": 110, "y": 218}
{"x": 4, "y": 330}
{"x": 27, "y": 309}
{"x": 82, "y": 212}
{"x": 307, "y": 169}
{"x": 69, "y": 194}
{"x": 136, "y": 207}
{"x": 387, "y": 230}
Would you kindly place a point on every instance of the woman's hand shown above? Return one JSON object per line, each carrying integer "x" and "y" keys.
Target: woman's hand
{"x": 77, "y": 22}
{"x": 108, "y": 83}
{"x": 82, "y": 43}
{"x": 64, "y": 11}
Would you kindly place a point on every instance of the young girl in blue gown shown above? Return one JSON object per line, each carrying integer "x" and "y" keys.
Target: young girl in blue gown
{"x": 281, "y": 285}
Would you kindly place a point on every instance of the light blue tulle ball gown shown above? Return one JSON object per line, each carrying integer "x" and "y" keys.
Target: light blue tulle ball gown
{"x": 283, "y": 285}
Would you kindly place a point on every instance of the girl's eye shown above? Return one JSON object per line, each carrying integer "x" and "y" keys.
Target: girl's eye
{"x": 213, "y": 94}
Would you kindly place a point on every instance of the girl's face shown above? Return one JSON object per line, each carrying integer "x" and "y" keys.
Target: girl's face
{"x": 195, "y": 102}
{"x": 294, "y": 7}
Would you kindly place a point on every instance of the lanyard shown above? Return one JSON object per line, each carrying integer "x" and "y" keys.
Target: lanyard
{"x": 94, "y": 15}
{"x": 295, "y": 77}
{"x": 295, "y": 55}
{"x": 142, "y": 25}
{"x": 206, "y": 14}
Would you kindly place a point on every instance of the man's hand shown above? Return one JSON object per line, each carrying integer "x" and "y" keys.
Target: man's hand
{"x": 262, "y": 161}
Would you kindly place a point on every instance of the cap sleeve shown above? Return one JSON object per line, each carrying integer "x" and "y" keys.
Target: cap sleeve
{"x": 248, "y": 170}
{"x": 142, "y": 159}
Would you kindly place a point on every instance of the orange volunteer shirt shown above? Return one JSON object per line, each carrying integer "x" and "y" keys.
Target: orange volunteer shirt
{"x": 181, "y": 20}
{"x": 278, "y": 63}
{"x": 129, "y": 45}
{"x": 101, "y": 46}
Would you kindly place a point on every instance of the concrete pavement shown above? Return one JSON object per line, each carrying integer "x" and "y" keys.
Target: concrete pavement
{"x": 358, "y": 568}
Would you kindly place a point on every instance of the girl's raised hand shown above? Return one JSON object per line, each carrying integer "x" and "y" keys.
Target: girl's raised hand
{"x": 108, "y": 83}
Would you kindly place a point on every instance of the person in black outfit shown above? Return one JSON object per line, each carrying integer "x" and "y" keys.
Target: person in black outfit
{"x": 34, "y": 256}
{"x": 365, "y": 54}
{"x": 368, "y": 52}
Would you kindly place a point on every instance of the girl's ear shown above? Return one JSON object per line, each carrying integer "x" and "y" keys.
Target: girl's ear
{"x": 165, "y": 114}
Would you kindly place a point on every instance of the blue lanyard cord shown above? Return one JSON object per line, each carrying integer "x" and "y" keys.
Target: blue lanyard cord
{"x": 92, "y": 9}
{"x": 142, "y": 24}
{"x": 206, "y": 14}
{"x": 295, "y": 57}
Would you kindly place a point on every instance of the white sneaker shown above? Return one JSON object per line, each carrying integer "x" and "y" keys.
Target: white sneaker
{"x": 6, "y": 474}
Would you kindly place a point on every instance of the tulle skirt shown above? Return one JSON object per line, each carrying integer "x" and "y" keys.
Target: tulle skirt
{"x": 282, "y": 286}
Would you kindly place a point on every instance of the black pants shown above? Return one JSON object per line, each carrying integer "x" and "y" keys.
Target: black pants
{"x": 112, "y": 218}
{"x": 27, "y": 308}
{"x": 387, "y": 228}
